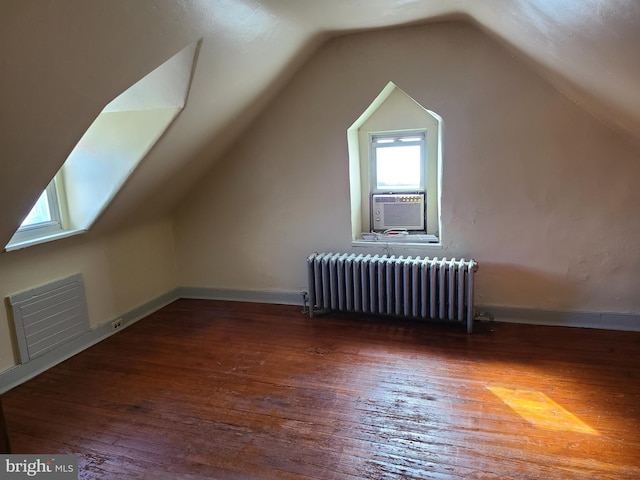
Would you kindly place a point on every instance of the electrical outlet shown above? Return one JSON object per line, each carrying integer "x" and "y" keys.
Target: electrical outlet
{"x": 116, "y": 324}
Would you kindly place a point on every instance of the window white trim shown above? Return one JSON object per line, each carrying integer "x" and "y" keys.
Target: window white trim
{"x": 17, "y": 244}
{"x": 49, "y": 199}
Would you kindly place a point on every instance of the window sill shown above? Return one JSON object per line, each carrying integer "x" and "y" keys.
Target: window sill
{"x": 422, "y": 241}
{"x": 43, "y": 239}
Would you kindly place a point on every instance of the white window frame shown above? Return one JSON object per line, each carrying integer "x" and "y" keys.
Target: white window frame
{"x": 48, "y": 228}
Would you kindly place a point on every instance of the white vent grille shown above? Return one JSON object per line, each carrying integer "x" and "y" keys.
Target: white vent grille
{"x": 48, "y": 316}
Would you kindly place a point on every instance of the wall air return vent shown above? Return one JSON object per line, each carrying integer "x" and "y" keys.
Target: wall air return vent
{"x": 48, "y": 316}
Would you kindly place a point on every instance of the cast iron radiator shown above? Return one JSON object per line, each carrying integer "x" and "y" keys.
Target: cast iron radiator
{"x": 425, "y": 288}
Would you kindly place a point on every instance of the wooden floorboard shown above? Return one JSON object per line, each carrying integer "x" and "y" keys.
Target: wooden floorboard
{"x": 227, "y": 390}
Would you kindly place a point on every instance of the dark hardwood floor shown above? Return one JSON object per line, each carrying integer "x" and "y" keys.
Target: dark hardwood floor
{"x": 207, "y": 389}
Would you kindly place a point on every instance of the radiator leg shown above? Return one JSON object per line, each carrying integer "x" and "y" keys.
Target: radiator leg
{"x": 470, "y": 302}
{"x": 312, "y": 283}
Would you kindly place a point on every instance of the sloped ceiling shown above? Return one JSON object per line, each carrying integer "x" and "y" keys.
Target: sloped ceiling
{"x": 62, "y": 61}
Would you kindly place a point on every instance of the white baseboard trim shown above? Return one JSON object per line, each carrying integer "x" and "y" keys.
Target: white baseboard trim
{"x": 627, "y": 322}
{"x": 606, "y": 321}
{"x": 281, "y": 297}
{"x": 20, "y": 373}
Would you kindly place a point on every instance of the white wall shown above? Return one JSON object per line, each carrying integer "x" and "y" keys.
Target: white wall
{"x": 539, "y": 192}
{"x": 105, "y": 156}
{"x": 120, "y": 271}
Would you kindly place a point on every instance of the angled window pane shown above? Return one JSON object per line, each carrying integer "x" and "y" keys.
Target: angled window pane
{"x": 40, "y": 213}
{"x": 43, "y": 219}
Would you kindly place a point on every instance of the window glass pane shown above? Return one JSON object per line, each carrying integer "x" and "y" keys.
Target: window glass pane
{"x": 398, "y": 167}
{"x": 40, "y": 212}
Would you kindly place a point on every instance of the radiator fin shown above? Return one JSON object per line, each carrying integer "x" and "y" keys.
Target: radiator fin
{"x": 425, "y": 288}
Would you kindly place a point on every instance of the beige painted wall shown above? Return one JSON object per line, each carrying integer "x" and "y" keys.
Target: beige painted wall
{"x": 120, "y": 272}
{"x": 539, "y": 192}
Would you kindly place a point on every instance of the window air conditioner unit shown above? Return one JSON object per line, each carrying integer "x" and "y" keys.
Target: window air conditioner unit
{"x": 398, "y": 211}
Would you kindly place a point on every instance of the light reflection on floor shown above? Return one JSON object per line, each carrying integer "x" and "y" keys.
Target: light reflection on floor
{"x": 540, "y": 410}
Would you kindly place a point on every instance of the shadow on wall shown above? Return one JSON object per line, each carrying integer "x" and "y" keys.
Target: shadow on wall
{"x": 510, "y": 285}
